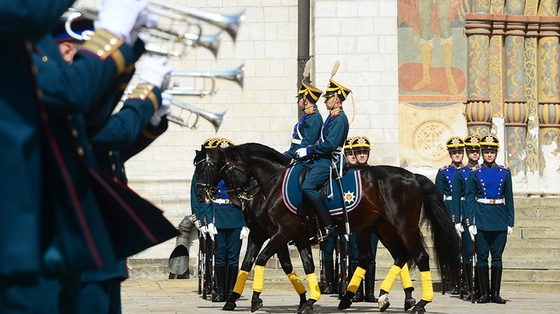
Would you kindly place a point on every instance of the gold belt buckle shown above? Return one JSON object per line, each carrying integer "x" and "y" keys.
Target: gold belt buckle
{"x": 492, "y": 201}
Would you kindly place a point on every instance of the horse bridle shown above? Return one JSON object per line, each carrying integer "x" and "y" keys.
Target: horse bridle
{"x": 207, "y": 187}
{"x": 243, "y": 193}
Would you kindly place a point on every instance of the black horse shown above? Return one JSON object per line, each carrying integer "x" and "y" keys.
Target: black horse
{"x": 206, "y": 171}
{"x": 391, "y": 207}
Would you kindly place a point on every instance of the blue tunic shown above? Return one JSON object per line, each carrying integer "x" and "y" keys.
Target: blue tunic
{"x": 306, "y": 131}
{"x": 444, "y": 182}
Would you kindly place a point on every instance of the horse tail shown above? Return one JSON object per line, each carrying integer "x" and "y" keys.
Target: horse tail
{"x": 446, "y": 246}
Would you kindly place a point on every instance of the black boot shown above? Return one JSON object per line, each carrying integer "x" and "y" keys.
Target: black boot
{"x": 455, "y": 290}
{"x": 359, "y": 297}
{"x": 469, "y": 281}
{"x": 484, "y": 284}
{"x": 329, "y": 273}
{"x": 323, "y": 213}
{"x": 220, "y": 284}
{"x": 370, "y": 284}
{"x": 495, "y": 285}
{"x": 231, "y": 279}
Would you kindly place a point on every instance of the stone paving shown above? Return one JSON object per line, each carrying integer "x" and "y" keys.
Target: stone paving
{"x": 180, "y": 296}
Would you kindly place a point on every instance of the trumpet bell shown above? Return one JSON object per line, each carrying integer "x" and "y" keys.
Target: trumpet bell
{"x": 191, "y": 120}
{"x": 204, "y": 83}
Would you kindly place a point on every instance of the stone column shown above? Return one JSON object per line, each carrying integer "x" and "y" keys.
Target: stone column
{"x": 478, "y": 110}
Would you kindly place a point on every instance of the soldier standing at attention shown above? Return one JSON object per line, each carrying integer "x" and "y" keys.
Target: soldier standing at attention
{"x": 489, "y": 212}
{"x": 444, "y": 182}
{"x": 472, "y": 146}
{"x": 226, "y": 226}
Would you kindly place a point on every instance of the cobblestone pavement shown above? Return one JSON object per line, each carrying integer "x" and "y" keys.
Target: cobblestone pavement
{"x": 180, "y": 296}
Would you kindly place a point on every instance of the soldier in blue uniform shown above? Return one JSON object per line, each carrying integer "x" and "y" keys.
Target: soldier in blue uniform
{"x": 321, "y": 154}
{"x": 444, "y": 182}
{"x": 198, "y": 210}
{"x": 226, "y": 226}
{"x": 329, "y": 246}
{"x": 489, "y": 215}
{"x": 472, "y": 148}
{"x": 307, "y": 130}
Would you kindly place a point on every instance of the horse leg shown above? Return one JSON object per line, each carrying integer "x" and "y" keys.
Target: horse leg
{"x": 363, "y": 240}
{"x": 286, "y": 264}
{"x": 406, "y": 282}
{"x": 254, "y": 245}
{"x": 304, "y": 249}
{"x": 275, "y": 244}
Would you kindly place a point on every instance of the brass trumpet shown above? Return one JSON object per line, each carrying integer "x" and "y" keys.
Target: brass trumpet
{"x": 235, "y": 75}
{"x": 214, "y": 118}
{"x": 229, "y": 23}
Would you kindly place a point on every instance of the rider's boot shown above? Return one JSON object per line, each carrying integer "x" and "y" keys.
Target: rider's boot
{"x": 325, "y": 217}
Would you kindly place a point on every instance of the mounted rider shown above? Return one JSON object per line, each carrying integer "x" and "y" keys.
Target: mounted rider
{"x": 327, "y": 148}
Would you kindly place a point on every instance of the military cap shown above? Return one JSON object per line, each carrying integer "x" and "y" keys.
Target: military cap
{"x": 361, "y": 142}
{"x": 489, "y": 141}
{"x": 217, "y": 142}
{"x": 308, "y": 90}
{"x": 335, "y": 88}
{"x": 348, "y": 143}
{"x": 455, "y": 143}
{"x": 472, "y": 141}
{"x": 80, "y": 26}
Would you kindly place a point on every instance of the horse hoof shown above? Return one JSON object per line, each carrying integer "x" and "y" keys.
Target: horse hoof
{"x": 418, "y": 310}
{"x": 306, "y": 308}
{"x": 344, "y": 304}
{"x": 229, "y": 306}
{"x": 256, "y": 304}
{"x": 408, "y": 303}
{"x": 383, "y": 302}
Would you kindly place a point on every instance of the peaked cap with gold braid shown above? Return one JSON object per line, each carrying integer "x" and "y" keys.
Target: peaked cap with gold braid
{"x": 335, "y": 88}
{"x": 217, "y": 142}
{"x": 307, "y": 90}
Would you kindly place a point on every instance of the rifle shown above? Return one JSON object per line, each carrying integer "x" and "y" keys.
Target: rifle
{"x": 473, "y": 285}
{"x": 322, "y": 285}
{"x": 461, "y": 267}
{"x": 339, "y": 268}
{"x": 213, "y": 271}
{"x": 200, "y": 262}
{"x": 204, "y": 265}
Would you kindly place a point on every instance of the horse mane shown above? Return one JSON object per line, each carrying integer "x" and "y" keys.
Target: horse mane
{"x": 257, "y": 150}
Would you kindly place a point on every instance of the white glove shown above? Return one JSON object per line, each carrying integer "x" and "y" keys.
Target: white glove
{"x": 145, "y": 19}
{"x": 164, "y": 109}
{"x": 301, "y": 152}
{"x": 203, "y": 230}
{"x": 119, "y": 17}
{"x": 472, "y": 232}
{"x": 244, "y": 232}
{"x": 510, "y": 230}
{"x": 154, "y": 71}
{"x": 212, "y": 231}
{"x": 459, "y": 229}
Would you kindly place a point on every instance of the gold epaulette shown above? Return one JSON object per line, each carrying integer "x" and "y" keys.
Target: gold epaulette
{"x": 310, "y": 110}
{"x": 104, "y": 45}
{"x": 336, "y": 112}
{"x": 503, "y": 167}
{"x": 148, "y": 135}
{"x": 444, "y": 167}
{"x": 143, "y": 92}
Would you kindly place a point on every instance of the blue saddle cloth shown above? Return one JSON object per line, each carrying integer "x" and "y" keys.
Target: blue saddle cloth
{"x": 351, "y": 184}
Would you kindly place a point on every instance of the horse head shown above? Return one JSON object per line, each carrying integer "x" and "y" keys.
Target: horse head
{"x": 207, "y": 175}
{"x": 244, "y": 167}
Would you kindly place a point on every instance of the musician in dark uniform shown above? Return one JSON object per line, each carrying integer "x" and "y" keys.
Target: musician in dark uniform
{"x": 444, "y": 182}
{"x": 22, "y": 279}
{"x": 321, "y": 154}
{"x": 100, "y": 288}
{"x": 472, "y": 148}
{"x": 489, "y": 212}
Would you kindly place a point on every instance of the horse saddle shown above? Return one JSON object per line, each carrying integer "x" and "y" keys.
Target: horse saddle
{"x": 351, "y": 184}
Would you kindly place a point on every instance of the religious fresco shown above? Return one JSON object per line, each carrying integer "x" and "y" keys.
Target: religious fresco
{"x": 432, "y": 78}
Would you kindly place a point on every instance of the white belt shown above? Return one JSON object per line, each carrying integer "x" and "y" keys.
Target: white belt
{"x": 449, "y": 198}
{"x": 296, "y": 141}
{"x": 490, "y": 200}
{"x": 221, "y": 201}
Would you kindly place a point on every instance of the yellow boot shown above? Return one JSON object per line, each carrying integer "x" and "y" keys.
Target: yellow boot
{"x": 426, "y": 47}
{"x": 447, "y": 49}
